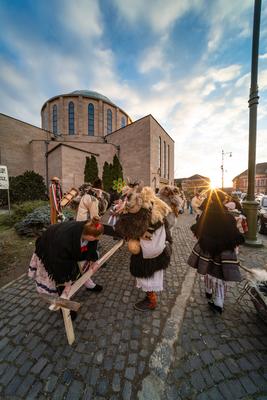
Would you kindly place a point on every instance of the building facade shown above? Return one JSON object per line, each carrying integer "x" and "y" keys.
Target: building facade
{"x": 240, "y": 182}
{"x": 193, "y": 184}
{"x": 84, "y": 123}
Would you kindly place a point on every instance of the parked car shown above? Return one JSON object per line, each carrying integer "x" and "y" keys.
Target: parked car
{"x": 262, "y": 215}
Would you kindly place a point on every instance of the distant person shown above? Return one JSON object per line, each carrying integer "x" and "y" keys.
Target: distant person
{"x": 195, "y": 204}
{"x": 55, "y": 196}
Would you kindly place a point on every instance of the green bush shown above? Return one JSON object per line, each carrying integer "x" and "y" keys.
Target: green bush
{"x": 20, "y": 211}
{"x": 28, "y": 186}
{"x": 37, "y": 221}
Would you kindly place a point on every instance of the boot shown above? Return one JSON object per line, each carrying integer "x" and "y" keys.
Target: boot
{"x": 149, "y": 302}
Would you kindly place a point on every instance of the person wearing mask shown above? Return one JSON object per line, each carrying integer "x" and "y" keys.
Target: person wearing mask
{"x": 214, "y": 255}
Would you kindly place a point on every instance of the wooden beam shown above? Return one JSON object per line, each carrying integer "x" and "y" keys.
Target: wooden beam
{"x": 60, "y": 302}
{"x": 68, "y": 325}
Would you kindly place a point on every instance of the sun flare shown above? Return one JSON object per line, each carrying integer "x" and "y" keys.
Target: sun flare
{"x": 214, "y": 184}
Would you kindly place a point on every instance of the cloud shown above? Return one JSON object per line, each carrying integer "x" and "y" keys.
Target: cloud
{"x": 81, "y": 17}
{"x": 158, "y": 14}
{"x": 225, "y": 17}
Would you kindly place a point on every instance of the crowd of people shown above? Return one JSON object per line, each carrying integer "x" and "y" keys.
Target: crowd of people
{"x": 145, "y": 219}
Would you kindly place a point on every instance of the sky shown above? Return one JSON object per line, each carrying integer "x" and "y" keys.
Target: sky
{"x": 185, "y": 62}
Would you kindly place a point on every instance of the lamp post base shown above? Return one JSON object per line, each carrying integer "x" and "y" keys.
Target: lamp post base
{"x": 251, "y": 210}
{"x": 253, "y": 243}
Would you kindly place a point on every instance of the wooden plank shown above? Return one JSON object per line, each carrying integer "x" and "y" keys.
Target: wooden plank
{"x": 92, "y": 269}
{"x": 61, "y": 302}
{"x": 68, "y": 325}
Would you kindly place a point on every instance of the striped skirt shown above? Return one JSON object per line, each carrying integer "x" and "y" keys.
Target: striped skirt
{"x": 224, "y": 266}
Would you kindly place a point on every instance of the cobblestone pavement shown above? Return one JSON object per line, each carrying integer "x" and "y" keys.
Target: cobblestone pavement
{"x": 214, "y": 357}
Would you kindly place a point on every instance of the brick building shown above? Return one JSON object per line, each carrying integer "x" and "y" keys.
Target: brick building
{"x": 193, "y": 184}
{"x": 240, "y": 182}
{"x": 82, "y": 123}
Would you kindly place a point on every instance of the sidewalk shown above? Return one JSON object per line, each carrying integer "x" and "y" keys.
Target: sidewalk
{"x": 179, "y": 351}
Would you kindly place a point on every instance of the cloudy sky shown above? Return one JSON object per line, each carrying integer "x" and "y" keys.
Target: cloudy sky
{"x": 185, "y": 62}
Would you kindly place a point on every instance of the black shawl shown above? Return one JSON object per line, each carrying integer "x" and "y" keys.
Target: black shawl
{"x": 216, "y": 231}
{"x": 59, "y": 248}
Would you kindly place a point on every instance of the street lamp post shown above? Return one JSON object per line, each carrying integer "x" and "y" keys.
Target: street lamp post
{"x": 250, "y": 205}
{"x": 222, "y": 166}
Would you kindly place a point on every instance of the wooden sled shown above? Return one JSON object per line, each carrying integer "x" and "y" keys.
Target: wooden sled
{"x": 68, "y": 197}
{"x": 65, "y": 304}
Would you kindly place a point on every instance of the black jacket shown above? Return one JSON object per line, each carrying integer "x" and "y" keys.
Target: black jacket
{"x": 59, "y": 248}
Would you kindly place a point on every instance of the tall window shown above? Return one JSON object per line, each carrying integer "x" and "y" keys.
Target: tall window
{"x": 168, "y": 163}
{"x": 164, "y": 162}
{"x": 54, "y": 118}
{"x": 91, "y": 119}
{"x": 159, "y": 156}
{"x": 123, "y": 122}
{"x": 109, "y": 121}
{"x": 71, "y": 118}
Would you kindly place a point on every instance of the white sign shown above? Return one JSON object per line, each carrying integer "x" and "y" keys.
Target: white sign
{"x": 4, "y": 183}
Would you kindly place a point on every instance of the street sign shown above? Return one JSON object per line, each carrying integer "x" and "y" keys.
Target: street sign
{"x": 4, "y": 183}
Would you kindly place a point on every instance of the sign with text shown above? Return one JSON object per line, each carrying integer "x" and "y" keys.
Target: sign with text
{"x": 4, "y": 183}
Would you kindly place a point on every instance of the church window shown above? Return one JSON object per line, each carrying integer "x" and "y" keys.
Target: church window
{"x": 91, "y": 119}
{"x": 123, "y": 122}
{"x": 71, "y": 118}
{"x": 54, "y": 119}
{"x": 159, "y": 157}
{"x": 164, "y": 160}
{"x": 109, "y": 121}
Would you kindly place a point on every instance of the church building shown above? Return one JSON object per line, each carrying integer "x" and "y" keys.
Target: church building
{"x": 84, "y": 123}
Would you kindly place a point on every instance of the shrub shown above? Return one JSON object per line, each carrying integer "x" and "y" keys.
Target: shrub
{"x": 90, "y": 170}
{"x": 20, "y": 211}
{"x": 37, "y": 221}
{"x": 28, "y": 186}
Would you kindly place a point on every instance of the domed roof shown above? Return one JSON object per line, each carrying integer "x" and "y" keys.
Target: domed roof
{"x": 85, "y": 93}
{"x": 91, "y": 94}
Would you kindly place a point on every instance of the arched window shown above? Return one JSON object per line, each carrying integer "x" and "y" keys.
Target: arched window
{"x": 54, "y": 119}
{"x": 123, "y": 122}
{"x": 71, "y": 118}
{"x": 109, "y": 121}
{"x": 91, "y": 119}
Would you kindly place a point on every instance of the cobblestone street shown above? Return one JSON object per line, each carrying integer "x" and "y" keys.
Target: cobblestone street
{"x": 179, "y": 351}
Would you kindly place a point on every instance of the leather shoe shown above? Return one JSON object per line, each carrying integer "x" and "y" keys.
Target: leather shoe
{"x": 215, "y": 308}
{"x": 97, "y": 288}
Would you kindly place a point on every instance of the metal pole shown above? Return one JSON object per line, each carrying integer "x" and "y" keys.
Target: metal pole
{"x": 222, "y": 167}
{"x": 251, "y": 206}
{"x": 8, "y": 200}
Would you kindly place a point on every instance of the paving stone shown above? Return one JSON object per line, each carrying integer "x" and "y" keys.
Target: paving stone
{"x": 127, "y": 391}
{"x": 236, "y": 387}
{"x": 11, "y": 388}
{"x": 130, "y": 373}
{"x": 59, "y": 392}
{"x": 35, "y": 390}
{"x": 51, "y": 383}
{"x": 37, "y": 367}
{"x": 102, "y": 386}
{"x": 116, "y": 383}
{"x": 25, "y": 385}
{"x": 207, "y": 357}
{"x": 132, "y": 359}
{"x": 245, "y": 365}
{"x": 75, "y": 391}
{"x": 119, "y": 363}
{"x": 95, "y": 372}
{"x": 197, "y": 380}
{"x": 249, "y": 385}
{"x": 8, "y": 375}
